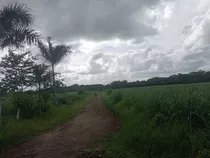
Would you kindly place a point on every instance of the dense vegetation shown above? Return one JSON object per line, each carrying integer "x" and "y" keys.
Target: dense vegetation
{"x": 161, "y": 121}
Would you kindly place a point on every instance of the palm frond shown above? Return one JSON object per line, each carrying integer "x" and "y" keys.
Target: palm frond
{"x": 18, "y": 37}
{"x": 15, "y": 14}
{"x": 44, "y": 51}
{"x": 59, "y": 52}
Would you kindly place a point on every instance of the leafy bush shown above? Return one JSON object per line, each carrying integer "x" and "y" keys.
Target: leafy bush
{"x": 30, "y": 105}
{"x": 44, "y": 106}
{"x": 25, "y": 103}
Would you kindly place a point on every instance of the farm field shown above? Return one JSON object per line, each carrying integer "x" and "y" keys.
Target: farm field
{"x": 139, "y": 91}
{"x": 160, "y": 121}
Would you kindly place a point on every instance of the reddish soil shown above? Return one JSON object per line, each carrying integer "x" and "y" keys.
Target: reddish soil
{"x": 89, "y": 127}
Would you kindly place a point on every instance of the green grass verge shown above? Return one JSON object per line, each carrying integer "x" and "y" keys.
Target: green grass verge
{"x": 15, "y": 132}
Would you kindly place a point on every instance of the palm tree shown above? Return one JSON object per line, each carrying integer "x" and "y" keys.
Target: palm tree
{"x": 15, "y": 26}
{"x": 40, "y": 72}
{"x": 53, "y": 54}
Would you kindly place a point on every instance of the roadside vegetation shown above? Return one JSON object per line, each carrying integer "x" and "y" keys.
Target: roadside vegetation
{"x": 18, "y": 131}
{"x": 160, "y": 121}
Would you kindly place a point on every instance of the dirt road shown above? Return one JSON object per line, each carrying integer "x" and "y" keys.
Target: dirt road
{"x": 90, "y": 126}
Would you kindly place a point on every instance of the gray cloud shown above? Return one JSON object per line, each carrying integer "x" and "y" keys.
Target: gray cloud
{"x": 146, "y": 60}
{"x": 91, "y": 19}
{"x": 191, "y": 65}
{"x": 201, "y": 53}
{"x": 97, "y": 64}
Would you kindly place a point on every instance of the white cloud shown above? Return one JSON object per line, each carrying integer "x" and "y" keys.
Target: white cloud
{"x": 198, "y": 33}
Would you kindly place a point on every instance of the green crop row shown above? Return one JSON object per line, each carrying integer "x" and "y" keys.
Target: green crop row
{"x": 160, "y": 122}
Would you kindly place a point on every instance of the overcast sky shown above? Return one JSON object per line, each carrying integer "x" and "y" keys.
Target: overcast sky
{"x": 126, "y": 39}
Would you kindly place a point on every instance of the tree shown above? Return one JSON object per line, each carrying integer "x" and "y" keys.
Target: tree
{"x": 15, "y": 26}
{"x": 48, "y": 80}
{"x": 40, "y": 76}
{"x": 59, "y": 84}
{"x": 40, "y": 71}
{"x": 17, "y": 70}
{"x": 53, "y": 54}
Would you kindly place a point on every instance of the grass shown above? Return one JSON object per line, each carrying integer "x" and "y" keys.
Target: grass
{"x": 161, "y": 122}
{"x": 14, "y": 132}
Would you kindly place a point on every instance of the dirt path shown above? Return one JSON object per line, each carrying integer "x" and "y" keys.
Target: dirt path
{"x": 84, "y": 130}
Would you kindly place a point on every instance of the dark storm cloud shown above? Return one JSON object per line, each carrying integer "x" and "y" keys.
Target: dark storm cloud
{"x": 90, "y": 19}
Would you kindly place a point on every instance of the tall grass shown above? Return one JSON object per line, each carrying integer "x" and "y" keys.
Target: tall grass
{"x": 161, "y": 122}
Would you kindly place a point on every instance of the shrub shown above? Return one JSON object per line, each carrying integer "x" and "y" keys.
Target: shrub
{"x": 44, "y": 106}
{"x": 30, "y": 105}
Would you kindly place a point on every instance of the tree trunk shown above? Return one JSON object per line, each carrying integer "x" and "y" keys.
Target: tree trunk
{"x": 0, "y": 115}
{"x": 18, "y": 114}
{"x": 40, "y": 106}
{"x": 53, "y": 74}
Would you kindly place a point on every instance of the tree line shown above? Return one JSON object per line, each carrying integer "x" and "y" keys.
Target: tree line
{"x": 192, "y": 77}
